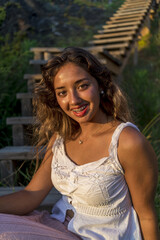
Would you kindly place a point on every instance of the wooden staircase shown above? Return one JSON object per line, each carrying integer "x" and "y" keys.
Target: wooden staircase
{"x": 112, "y": 46}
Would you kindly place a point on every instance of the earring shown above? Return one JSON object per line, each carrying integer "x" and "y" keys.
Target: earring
{"x": 102, "y": 92}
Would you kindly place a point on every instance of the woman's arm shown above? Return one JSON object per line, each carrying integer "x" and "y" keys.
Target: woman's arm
{"x": 27, "y": 200}
{"x": 141, "y": 173}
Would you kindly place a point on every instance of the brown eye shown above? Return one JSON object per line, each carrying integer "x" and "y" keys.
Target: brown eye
{"x": 62, "y": 94}
{"x": 83, "y": 86}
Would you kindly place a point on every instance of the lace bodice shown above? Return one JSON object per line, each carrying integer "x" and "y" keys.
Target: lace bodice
{"x": 94, "y": 189}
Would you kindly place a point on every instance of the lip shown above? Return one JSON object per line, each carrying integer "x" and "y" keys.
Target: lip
{"x": 80, "y": 113}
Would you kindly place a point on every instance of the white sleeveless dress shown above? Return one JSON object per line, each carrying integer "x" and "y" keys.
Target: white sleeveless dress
{"x": 97, "y": 193}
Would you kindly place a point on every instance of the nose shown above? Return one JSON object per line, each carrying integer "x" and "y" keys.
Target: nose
{"x": 74, "y": 97}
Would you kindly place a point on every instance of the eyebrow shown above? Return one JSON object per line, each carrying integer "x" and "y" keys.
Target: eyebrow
{"x": 76, "y": 83}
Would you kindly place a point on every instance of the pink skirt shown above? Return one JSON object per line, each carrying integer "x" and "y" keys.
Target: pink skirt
{"x": 35, "y": 226}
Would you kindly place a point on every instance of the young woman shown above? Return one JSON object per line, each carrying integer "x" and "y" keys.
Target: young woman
{"x": 100, "y": 162}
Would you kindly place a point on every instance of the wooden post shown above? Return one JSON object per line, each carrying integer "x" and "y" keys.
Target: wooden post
{"x": 18, "y": 135}
{"x": 47, "y": 55}
{"x": 6, "y": 172}
{"x": 26, "y": 107}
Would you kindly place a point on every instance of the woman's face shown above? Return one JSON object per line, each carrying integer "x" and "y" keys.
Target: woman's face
{"x": 77, "y": 93}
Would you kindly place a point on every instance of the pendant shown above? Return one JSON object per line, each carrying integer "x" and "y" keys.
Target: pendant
{"x": 80, "y": 141}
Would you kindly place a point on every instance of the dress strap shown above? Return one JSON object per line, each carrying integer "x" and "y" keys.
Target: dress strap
{"x": 114, "y": 142}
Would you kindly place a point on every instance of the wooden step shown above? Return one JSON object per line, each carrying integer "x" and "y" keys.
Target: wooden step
{"x": 114, "y": 21}
{"x": 136, "y": 1}
{"x": 126, "y": 6}
{"x": 37, "y": 76}
{"x": 27, "y": 95}
{"x": 20, "y": 120}
{"x": 38, "y": 62}
{"x": 111, "y": 40}
{"x": 126, "y": 17}
{"x": 26, "y": 103}
{"x": 134, "y": 6}
{"x": 19, "y": 153}
{"x": 121, "y": 24}
{"x": 118, "y": 29}
{"x": 118, "y": 53}
{"x": 31, "y": 80}
{"x": 50, "y": 199}
{"x": 129, "y": 13}
{"x": 118, "y": 34}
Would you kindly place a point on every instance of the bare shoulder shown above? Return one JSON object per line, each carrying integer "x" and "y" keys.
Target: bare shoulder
{"x": 134, "y": 149}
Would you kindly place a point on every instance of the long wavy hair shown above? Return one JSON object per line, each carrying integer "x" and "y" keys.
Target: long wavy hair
{"x": 50, "y": 118}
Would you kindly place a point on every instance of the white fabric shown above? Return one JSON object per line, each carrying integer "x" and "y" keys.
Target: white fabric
{"x": 97, "y": 193}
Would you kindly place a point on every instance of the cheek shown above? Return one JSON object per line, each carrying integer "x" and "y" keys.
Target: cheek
{"x": 62, "y": 102}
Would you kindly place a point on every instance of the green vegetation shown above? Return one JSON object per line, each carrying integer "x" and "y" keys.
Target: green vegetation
{"x": 142, "y": 83}
{"x": 14, "y": 58}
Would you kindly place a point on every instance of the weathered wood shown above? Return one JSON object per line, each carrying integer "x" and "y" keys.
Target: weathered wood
{"x": 115, "y": 25}
{"x": 129, "y": 13}
{"x": 118, "y": 53}
{"x": 19, "y": 153}
{"x": 6, "y": 172}
{"x": 134, "y": 6}
{"x": 18, "y": 135}
{"x": 114, "y": 21}
{"x": 37, "y": 55}
{"x": 101, "y": 36}
{"x": 26, "y": 95}
{"x": 47, "y": 55}
{"x": 37, "y": 76}
{"x": 26, "y": 107}
{"x": 128, "y": 16}
{"x": 118, "y": 29}
{"x": 111, "y": 40}
{"x": 38, "y": 62}
{"x": 20, "y": 120}
{"x": 47, "y": 49}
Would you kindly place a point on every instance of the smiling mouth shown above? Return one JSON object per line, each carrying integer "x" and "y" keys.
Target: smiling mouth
{"x": 80, "y": 112}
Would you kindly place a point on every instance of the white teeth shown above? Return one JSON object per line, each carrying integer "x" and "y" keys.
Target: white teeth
{"x": 79, "y": 109}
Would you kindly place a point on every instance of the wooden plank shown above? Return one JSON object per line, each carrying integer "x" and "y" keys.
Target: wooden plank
{"x": 6, "y": 172}
{"x": 128, "y": 33}
{"x": 24, "y": 95}
{"x": 136, "y": 5}
{"x": 116, "y": 46}
{"x": 136, "y": 1}
{"x": 19, "y": 153}
{"x": 20, "y": 120}
{"x": 118, "y": 29}
{"x": 47, "y": 49}
{"x": 131, "y": 10}
{"x": 18, "y": 135}
{"x": 129, "y": 13}
{"x": 33, "y": 76}
{"x": 114, "y": 21}
{"x": 38, "y": 62}
{"x": 128, "y": 16}
{"x": 111, "y": 40}
{"x": 143, "y": 5}
{"x": 121, "y": 24}
{"x": 117, "y": 53}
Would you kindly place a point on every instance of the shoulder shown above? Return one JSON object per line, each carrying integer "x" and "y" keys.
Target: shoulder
{"x": 134, "y": 149}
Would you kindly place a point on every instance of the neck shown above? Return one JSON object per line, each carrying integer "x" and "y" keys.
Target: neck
{"x": 90, "y": 128}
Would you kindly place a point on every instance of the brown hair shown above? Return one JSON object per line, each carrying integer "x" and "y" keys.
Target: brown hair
{"x": 51, "y": 118}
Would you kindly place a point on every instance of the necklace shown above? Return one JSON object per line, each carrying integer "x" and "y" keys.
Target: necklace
{"x": 80, "y": 141}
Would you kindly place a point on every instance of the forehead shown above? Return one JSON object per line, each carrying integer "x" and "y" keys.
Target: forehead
{"x": 70, "y": 73}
